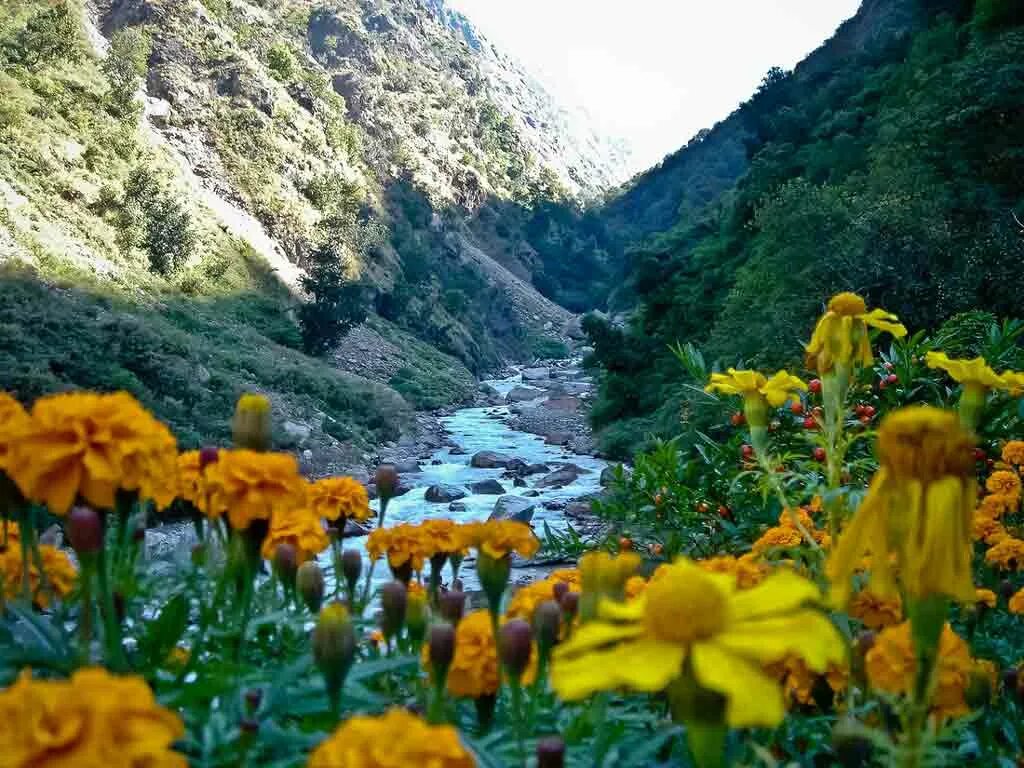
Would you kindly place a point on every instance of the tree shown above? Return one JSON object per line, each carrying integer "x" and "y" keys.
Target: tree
{"x": 126, "y": 62}
{"x": 49, "y": 36}
{"x": 153, "y": 220}
{"x": 336, "y": 304}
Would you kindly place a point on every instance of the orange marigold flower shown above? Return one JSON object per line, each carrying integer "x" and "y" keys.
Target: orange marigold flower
{"x": 58, "y": 569}
{"x": 635, "y": 585}
{"x": 998, "y": 504}
{"x": 747, "y": 569}
{"x": 13, "y": 421}
{"x": 339, "y": 497}
{"x": 497, "y": 538}
{"x": 874, "y": 611}
{"x": 985, "y": 597}
{"x": 298, "y": 527}
{"x": 1017, "y": 602}
{"x": 779, "y": 537}
{"x": 1004, "y": 482}
{"x": 1007, "y": 554}
{"x": 91, "y": 446}
{"x": 403, "y": 543}
{"x": 799, "y": 681}
{"x": 1013, "y": 452}
{"x": 250, "y": 485}
{"x": 892, "y": 666}
{"x": 93, "y": 719}
{"x": 190, "y": 479}
{"x": 526, "y": 599}
{"x": 445, "y": 537}
{"x": 396, "y": 739}
{"x": 987, "y": 528}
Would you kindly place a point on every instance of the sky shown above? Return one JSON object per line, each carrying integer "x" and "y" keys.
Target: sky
{"x": 654, "y": 72}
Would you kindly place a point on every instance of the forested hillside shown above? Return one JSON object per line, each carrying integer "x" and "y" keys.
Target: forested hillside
{"x": 889, "y": 163}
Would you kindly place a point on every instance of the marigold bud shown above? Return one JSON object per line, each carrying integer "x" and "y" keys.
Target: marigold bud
{"x": 394, "y": 599}
{"x": 453, "y": 605}
{"x": 334, "y": 648}
{"x": 547, "y": 621}
{"x": 494, "y": 573}
{"x": 1006, "y": 589}
{"x": 249, "y": 726}
{"x": 286, "y": 564}
{"x": 351, "y": 568}
{"x": 979, "y": 689}
{"x": 570, "y": 603}
{"x": 560, "y": 589}
{"x": 251, "y": 425}
{"x": 442, "y": 647}
{"x": 208, "y": 455}
{"x": 515, "y": 646}
{"x": 866, "y": 641}
{"x": 416, "y": 616}
{"x": 387, "y": 481}
{"x": 310, "y": 582}
{"x": 551, "y": 752}
{"x": 85, "y": 530}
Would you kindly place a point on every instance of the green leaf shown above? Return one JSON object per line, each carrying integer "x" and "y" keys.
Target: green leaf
{"x": 166, "y": 630}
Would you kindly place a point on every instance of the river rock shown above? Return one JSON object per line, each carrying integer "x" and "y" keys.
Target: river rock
{"x": 523, "y": 394}
{"x": 457, "y": 451}
{"x": 578, "y": 509}
{"x": 536, "y": 374}
{"x": 517, "y": 466}
{"x": 513, "y": 508}
{"x": 563, "y": 404}
{"x": 554, "y": 505}
{"x": 487, "y": 488}
{"x": 518, "y": 482}
{"x": 407, "y": 467}
{"x": 490, "y": 460}
{"x": 561, "y": 477}
{"x": 531, "y": 494}
{"x": 558, "y": 438}
{"x": 457, "y": 506}
{"x": 442, "y": 494}
{"x": 536, "y": 469}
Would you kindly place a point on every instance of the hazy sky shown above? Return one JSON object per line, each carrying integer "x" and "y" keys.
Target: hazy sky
{"x": 655, "y": 71}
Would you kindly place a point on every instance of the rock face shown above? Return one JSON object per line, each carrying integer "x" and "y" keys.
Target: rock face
{"x": 490, "y": 460}
{"x": 487, "y": 488}
{"x": 561, "y": 477}
{"x": 523, "y": 394}
{"x": 443, "y": 494}
{"x": 513, "y": 508}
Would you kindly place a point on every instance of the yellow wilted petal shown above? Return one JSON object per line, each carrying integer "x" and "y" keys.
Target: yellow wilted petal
{"x": 808, "y": 634}
{"x": 753, "y": 699}
{"x": 595, "y": 634}
{"x": 643, "y": 665}
{"x": 780, "y": 592}
{"x": 885, "y": 321}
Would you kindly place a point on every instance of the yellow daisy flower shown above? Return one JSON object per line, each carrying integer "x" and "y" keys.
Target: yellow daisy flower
{"x": 691, "y": 620}
{"x": 974, "y": 372}
{"x": 841, "y": 335}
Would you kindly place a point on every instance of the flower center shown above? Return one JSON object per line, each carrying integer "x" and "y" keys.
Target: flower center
{"x": 849, "y": 304}
{"x": 682, "y": 610}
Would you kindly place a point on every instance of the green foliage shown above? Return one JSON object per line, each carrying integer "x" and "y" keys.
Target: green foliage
{"x": 548, "y": 348}
{"x": 126, "y": 62}
{"x": 991, "y": 14}
{"x": 336, "y": 304}
{"x": 51, "y": 35}
{"x": 281, "y": 62}
{"x": 155, "y": 221}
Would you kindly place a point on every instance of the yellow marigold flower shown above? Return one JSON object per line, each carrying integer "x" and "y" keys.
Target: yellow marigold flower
{"x": 94, "y": 719}
{"x": 919, "y": 507}
{"x": 13, "y": 421}
{"x": 474, "y": 669}
{"x": 396, "y": 739}
{"x": 874, "y": 611}
{"x": 841, "y": 335}
{"x": 635, "y": 585}
{"x": 998, "y": 504}
{"x": 403, "y": 544}
{"x": 526, "y": 599}
{"x": 344, "y": 498}
{"x": 758, "y": 392}
{"x": 498, "y": 538}
{"x": 1007, "y": 554}
{"x": 799, "y": 681}
{"x": 1013, "y": 452}
{"x": 300, "y": 528}
{"x": 817, "y": 504}
{"x": 1017, "y": 602}
{"x": 10, "y": 533}
{"x": 892, "y": 667}
{"x": 252, "y": 485}
{"x": 975, "y": 372}
{"x": 747, "y": 569}
{"x": 91, "y": 446}
{"x": 445, "y": 537}
{"x": 985, "y": 597}
{"x": 986, "y": 528}
{"x": 190, "y": 479}
{"x": 1004, "y": 483}
{"x": 726, "y": 634}
{"x": 60, "y": 574}
{"x": 778, "y": 537}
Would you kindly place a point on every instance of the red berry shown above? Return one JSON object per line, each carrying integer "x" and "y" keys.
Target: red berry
{"x": 887, "y": 366}
{"x": 882, "y": 384}
{"x": 747, "y": 451}
{"x": 869, "y": 411}
{"x": 738, "y": 419}
{"x": 625, "y": 544}
{"x": 814, "y": 385}
{"x": 979, "y": 454}
{"x": 859, "y": 410}
{"x": 797, "y": 408}
{"x": 892, "y": 378}
{"x": 865, "y": 420}
{"x": 819, "y": 454}
{"x": 703, "y": 508}
{"x": 810, "y": 423}
{"x": 723, "y": 512}
{"x": 657, "y": 499}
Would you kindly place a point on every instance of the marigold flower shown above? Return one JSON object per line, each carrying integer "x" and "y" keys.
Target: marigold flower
{"x": 799, "y": 681}
{"x": 892, "y": 667}
{"x": 985, "y": 597}
{"x": 251, "y": 485}
{"x": 403, "y": 544}
{"x": 985, "y": 527}
{"x": 396, "y": 739}
{"x": 777, "y": 537}
{"x": 91, "y": 446}
{"x": 635, "y": 585}
{"x": 13, "y": 421}
{"x": 58, "y": 569}
{"x": 841, "y": 335}
{"x": 474, "y": 669}
{"x": 190, "y": 478}
{"x": 300, "y": 528}
{"x": 445, "y": 537}
{"x": 498, "y": 538}
{"x": 1013, "y": 452}
{"x": 93, "y": 719}
{"x": 875, "y": 611}
{"x": 1016, "y": 604}
{"x": 778, "y": 390}
{"x": 344, "y": 498}
{"x": 526, "y": 599}
{"x": 919, "y": 507}
{"x": 998, "y": 504}
{"x": 1007, "y": 554}
{"x": 1004, "y": 483}
{"x": 747, "y": 569}
{"x": 726, "y": 634}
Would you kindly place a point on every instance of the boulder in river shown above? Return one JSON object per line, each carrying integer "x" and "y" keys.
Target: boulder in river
{"x": 561, "y": 477}
{"x": 536, "y": 469}
{"x": 457, "y": 451}
{"x": 578, "y": 509}
{"x": 523, "y": 394}
{"x": 513, "y": 508}
{"x": 457, "y": 506}
{"x": 518, "y": 482}
{"x": 490, "y": 460}
{"x": 407, "y": 467}
{"x": 536, "y": 374}
{"x": 487, "y": 488}
{"x": 442, "y": 494}
{"x": 558, "y": 438}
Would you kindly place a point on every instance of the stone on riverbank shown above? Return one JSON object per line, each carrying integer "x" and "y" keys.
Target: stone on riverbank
{"x": 523, "y": 394}
{"x": 560, "y": 478}
{"x": 443, "y": 494}
{"x": 490, "y": 460}
{"x": 513, "y": 508}
{"x": 487, "y": 488}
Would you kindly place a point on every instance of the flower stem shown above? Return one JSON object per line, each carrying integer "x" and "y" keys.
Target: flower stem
{"x": 111, "y": 626}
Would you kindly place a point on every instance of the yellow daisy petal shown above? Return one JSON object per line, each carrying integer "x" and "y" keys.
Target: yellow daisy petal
{"x": 595, "y": 634}
{"x": 752, "y": 698}
{"x": 644, "y": 665}
{"x": 885, "y": 321}
{"x": 807, "y": 634}
{"x": 780, "y": 592}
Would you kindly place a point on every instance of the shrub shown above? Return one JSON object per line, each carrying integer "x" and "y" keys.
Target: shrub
{"x": 336, "y": 304}
{"x": 153, "y": 220}
{"x": 125, "y": 64}
{"x": 281, "y": 62}
{"x": 49, "y": 36}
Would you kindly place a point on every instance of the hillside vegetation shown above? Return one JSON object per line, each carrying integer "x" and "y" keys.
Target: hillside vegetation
{"x": 888, "y": 163}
